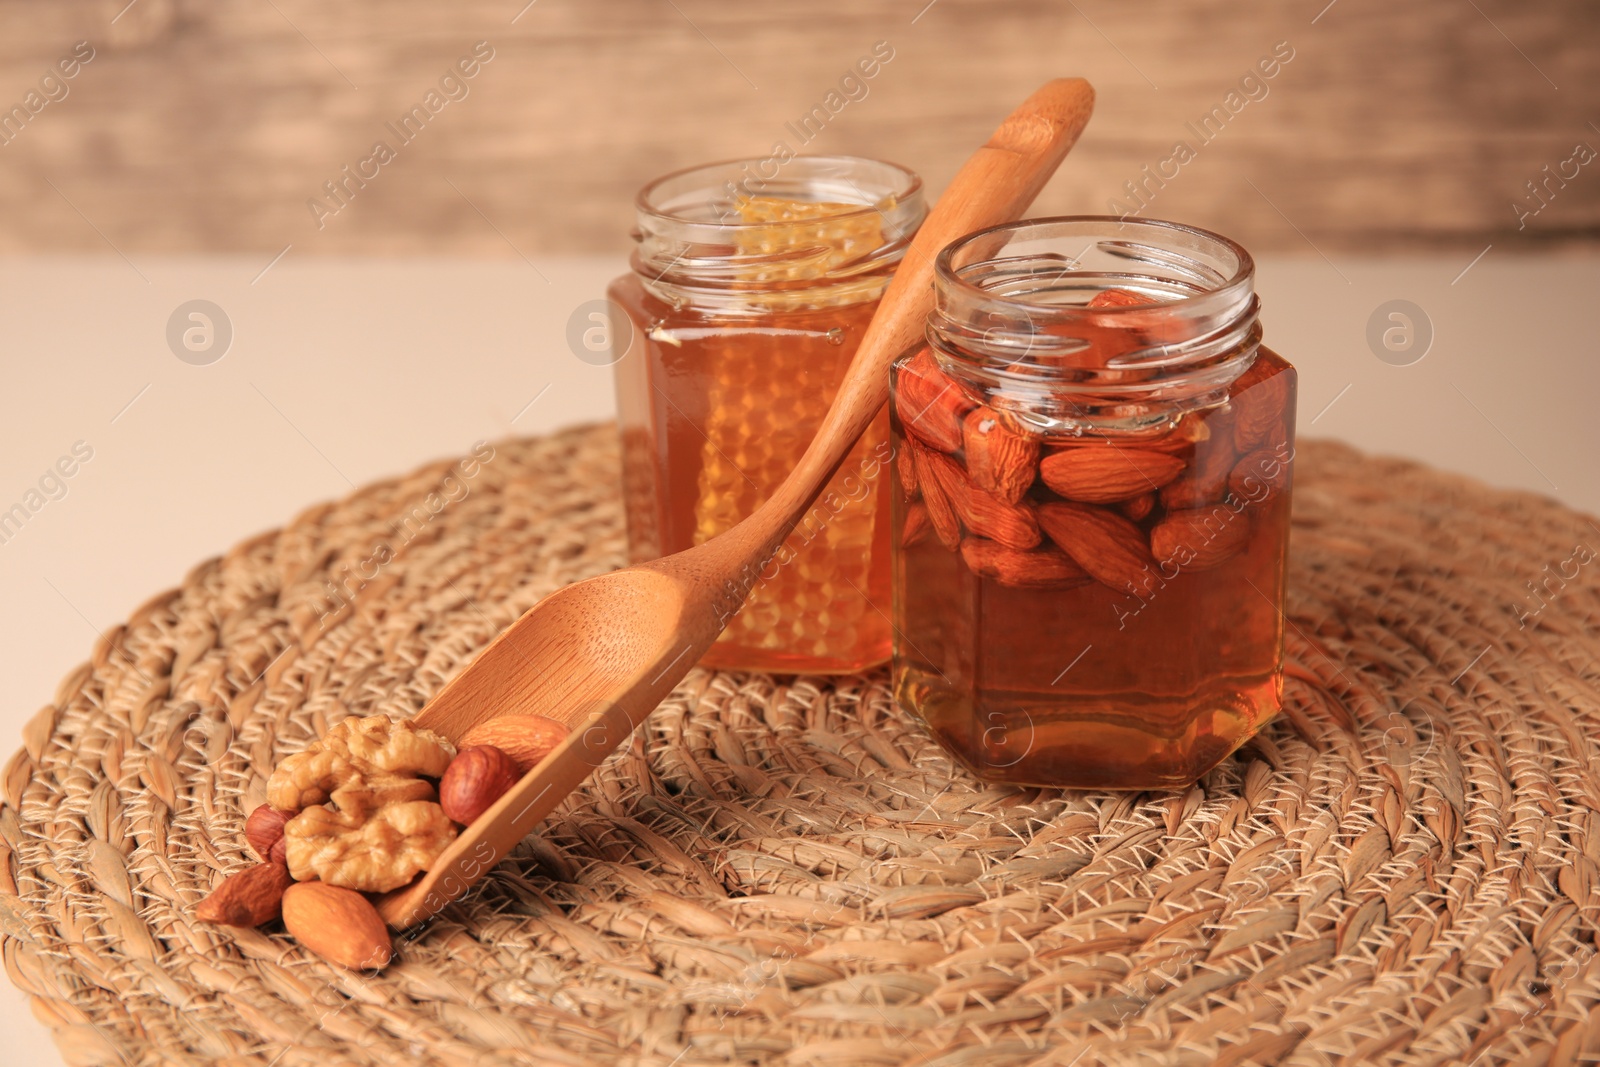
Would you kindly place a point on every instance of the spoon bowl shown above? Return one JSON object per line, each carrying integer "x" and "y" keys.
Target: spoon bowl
{"x": 597, "y": 656}
{"x": 574, "y": 648}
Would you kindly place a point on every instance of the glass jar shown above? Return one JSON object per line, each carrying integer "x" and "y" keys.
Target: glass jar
{"x": 1091, "y": 512}
{"x": 752, "y": 284}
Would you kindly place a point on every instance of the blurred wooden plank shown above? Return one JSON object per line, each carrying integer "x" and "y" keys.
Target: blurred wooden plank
{"x": 208, "y": 126}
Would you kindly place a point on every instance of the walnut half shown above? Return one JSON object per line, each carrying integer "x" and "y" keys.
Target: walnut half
{"x": 382, "y": 823}
{"x": 357, "y": 748}
{"x": 371, "y": 853}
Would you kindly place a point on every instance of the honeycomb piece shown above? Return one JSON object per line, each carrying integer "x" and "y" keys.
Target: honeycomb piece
{"x": 839, "y": 232}
{"x": 766, "y": 399}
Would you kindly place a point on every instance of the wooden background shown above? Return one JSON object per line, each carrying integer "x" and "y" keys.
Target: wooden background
{"x": 206, "y": 126}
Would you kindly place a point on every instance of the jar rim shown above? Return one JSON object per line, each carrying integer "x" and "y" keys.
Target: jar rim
{"x": 948, "y": 276}
{"x": 1012, "y": 317}
{"x": 909, "y": 187}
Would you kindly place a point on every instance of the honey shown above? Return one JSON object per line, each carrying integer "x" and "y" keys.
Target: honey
{"x": 1091, "y": 507}
{"x": 747, "y": 309}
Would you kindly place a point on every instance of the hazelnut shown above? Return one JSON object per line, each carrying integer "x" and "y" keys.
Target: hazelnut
{"x": 264, "y": 829}
{"x": 475, "y": 779}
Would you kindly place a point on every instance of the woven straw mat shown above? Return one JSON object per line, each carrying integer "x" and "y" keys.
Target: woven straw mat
{"x": 1401, "y": 869}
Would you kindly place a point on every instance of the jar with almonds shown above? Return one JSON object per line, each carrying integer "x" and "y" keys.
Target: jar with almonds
{"x": 1092, "y": 469}
{"x": 753, "y": 282}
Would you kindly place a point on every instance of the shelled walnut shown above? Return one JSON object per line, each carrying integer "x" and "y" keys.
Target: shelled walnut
{"x": 369, "y": 747}
{"x": 370, "y": 850}
{"x": 367, "y": 817}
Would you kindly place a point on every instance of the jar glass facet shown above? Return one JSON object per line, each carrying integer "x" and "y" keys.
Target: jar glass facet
{"x": 1091, "y": 506}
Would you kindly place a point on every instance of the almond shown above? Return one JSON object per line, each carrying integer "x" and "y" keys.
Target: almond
{"x": 906, "y": 463}
{"x": 1194, "y": 491}
{"x": 248, "y": 898}
{"x": 340, "y": 925}
{"x": 983, "y": 513}
{"x": 930, "y": 404}
{"x": 1206, "y": 480}
{"x": 941, "y": 513}
{"x": 527, "y": 739}
{"x": 1200, "y": 538}
{"x": 1102, "y": 542}
{"x": 1260, "y": 403}
{"x": 1000, "y": 460}
{"x": 1258, "y": 475}
{"x": 475, "y": 779}
{"x": 916, "y": 526}
{"x": 1118, "y": 298}
{"x": 1139, "y": 508}
{"x": 1104, "y": 475}
{"x": 1040, "y": 568}
{"x": 264, "y": 829}
{"x": 1118, "y": 335}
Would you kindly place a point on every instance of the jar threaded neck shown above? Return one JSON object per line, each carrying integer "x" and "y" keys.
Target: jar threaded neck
{"x": 810, "y": 231}
{"x": 1013, "y": 318}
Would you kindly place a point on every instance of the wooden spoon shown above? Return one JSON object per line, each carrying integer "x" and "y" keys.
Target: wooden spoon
{"x": 599, "y": 655}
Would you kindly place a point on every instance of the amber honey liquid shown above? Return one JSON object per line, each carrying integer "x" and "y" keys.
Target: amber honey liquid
{"x": 712, "y": 421}
{"x": 1135, "y": 684}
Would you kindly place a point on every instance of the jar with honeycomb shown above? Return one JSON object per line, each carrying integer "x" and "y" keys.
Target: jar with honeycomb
{"x": 752, "y": 284}
{"x": 1093, "y": 454}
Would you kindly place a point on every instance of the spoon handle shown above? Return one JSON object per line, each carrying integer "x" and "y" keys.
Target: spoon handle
{"x": 995, "y": 185}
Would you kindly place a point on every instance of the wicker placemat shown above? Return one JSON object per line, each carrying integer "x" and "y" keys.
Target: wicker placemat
{"x": 1402, "y": 869}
